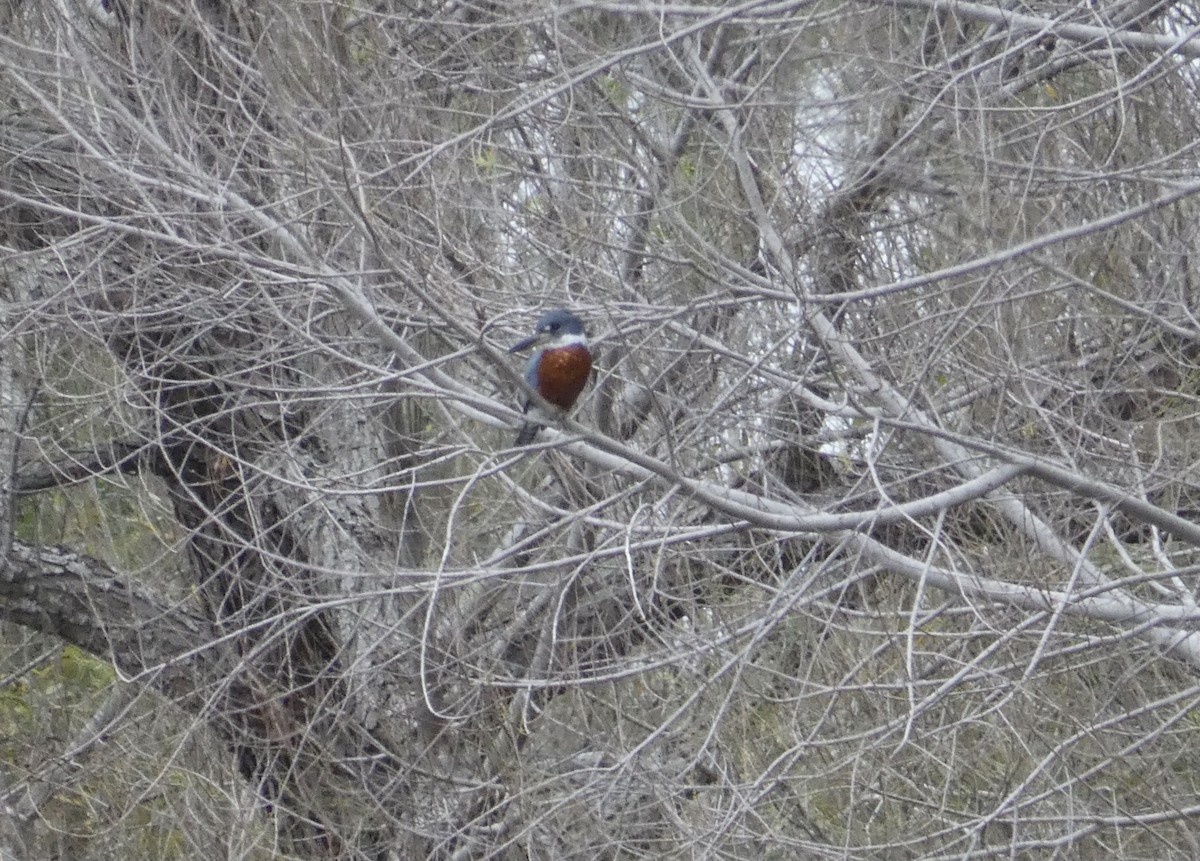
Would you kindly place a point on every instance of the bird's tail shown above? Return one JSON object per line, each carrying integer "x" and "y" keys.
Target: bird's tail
{"x": 526, "y": 434}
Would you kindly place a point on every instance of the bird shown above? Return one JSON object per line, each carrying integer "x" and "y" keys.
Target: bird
{"x": 558, "y": 371}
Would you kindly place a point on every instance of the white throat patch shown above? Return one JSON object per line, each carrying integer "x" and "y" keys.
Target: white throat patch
{"x": 567, "y": 340}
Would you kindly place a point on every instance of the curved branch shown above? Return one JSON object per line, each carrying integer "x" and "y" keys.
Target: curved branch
{"x": 57, "y": 591}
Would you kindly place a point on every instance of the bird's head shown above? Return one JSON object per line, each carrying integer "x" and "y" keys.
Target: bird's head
{"x": 558, "y": 328}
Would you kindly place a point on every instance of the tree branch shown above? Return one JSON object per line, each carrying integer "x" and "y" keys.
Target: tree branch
{"x": 81, "y": 600}
{"x": 113, "y": 456}
{"x": 1187, "y": 45}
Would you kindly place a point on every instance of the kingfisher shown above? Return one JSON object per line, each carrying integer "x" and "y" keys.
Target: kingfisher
{"x": 559, "y": 369}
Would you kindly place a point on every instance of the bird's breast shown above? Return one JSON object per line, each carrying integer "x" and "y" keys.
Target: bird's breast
{"x": 562, "y": 372}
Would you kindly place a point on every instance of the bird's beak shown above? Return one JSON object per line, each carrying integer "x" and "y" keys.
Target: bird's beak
{"x": 525, "y": 343}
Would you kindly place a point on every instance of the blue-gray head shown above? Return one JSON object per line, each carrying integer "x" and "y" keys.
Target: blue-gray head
{"x": 558, "y": 328}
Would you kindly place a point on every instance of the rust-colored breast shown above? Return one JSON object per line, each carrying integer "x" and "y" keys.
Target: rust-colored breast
{"x": 562, "y": 373}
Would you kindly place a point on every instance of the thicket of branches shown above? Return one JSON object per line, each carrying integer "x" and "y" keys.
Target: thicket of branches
{"x": 874, "y": 537}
